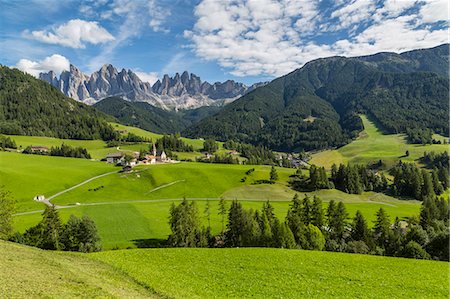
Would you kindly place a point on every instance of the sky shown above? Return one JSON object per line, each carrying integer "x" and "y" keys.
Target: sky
{"x": 244, "y": 40}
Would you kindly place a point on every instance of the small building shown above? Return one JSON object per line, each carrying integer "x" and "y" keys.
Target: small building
{"x": 127, "y": 168}
{"x": 39, "y": 198}
{"x": 39, "y": 148}
{"x": 233, "y": 152}
{"x": 115, "y": 158}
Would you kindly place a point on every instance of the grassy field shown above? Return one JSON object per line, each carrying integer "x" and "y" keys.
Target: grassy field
{"x": 278, "y": 273}
{"x": 134, "y": 206}
{"x": 372, "y": 145}
{"x": 215, "y": 273}
{"x": 131, "y": 224}
{"x": 26, "y": 176}
{"x": 28, "y": 272}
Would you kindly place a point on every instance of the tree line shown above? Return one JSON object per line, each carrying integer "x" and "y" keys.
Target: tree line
{"x": 77, "y": 234}
{"x": 408, "y": 179}
{"x": 308, "y": 225}
{"x": 62, "y": 151}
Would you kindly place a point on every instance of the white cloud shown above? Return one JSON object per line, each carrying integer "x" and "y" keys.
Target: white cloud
{"x": 56, "y": 63}
{"x": 151, "y": 77}
{"x": 135, "y": 16}
{"x": 75, "y": 34}
{"x": 434, "y": 10}
{"x": 268, "y": 37}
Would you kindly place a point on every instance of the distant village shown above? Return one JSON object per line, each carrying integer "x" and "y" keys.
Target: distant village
{"x": 130, "y": 159}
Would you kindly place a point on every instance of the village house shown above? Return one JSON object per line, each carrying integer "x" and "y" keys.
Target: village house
{"x": 39, "y": 148}
{"x": 119, "y": 158}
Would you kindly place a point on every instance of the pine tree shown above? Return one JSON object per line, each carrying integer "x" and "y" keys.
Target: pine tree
{"x": 427, "y": 189}
{"x": 268, "y": 211}
{"x": 208, "y": 213}
{"x": 381, "y": 229}
{"x": 360, "y": 230}
{"x": 273, "y": 174}
{"x": 266, "y": 232}
{"x": 50, "y": 229}
{"x": 317, "y": 217}
{"x": 305, "y": 211}
{"x": 437, "y": 185}
{"x": 222, "y": 212}
{"x": 235, "y": 226}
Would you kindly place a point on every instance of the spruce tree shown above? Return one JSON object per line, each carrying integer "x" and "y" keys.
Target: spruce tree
{"x": 427, "y": 188}
{"x": 50, "y": 229}
{"x": 235, "y": 226}
{"x": 305, "y": 211}
{"x": 286, "y": 237}
{"x": 382, "y": 228}
{"x": 317, "y": 217}
{"x": 222, "y": 212}
{"x": 360, "y": 230}
{"x": 273, "y": 174}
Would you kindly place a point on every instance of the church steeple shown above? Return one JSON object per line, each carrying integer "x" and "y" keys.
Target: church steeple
{"x": 154, "y": 149}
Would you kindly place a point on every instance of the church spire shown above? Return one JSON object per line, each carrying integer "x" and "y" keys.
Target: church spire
{"x": 154, "y": 149}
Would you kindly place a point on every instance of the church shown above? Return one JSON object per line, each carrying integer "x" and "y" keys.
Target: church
{"x": 154, "y": 158}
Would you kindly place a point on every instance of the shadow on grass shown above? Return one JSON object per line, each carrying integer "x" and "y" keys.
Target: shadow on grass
{"x": 150, "y": 243}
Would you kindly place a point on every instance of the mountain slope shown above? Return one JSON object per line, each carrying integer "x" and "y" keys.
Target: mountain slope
{"x": 29, "y": 106}
{"x": 316, "y": 106}
{"x": 141, "y": 115}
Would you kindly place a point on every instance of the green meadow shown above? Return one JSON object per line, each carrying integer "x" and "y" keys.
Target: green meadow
{"x": 216, "y": 273}
{"x": 372, "y": 145}
{"x": 278, "y": 273}
{"x": 131, "y": 207}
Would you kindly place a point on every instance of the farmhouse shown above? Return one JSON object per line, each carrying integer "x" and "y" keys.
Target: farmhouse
{"x": 119, "y": 158}
{"x": 39, "y": 148}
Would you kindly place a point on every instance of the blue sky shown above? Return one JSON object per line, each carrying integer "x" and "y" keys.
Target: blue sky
{"x": 248, "y": 41}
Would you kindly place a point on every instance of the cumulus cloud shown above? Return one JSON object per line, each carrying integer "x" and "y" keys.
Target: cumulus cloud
{"x": 268, "y": 37}
{"x": 75, "y": 34}
{"x": 150, "y": 77}
{"x": 56, "y": 63}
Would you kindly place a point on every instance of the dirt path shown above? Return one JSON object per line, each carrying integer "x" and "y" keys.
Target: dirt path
{"x": 47, "y": 200}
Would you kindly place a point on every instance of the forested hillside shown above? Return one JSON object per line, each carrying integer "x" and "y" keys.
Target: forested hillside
{"x": 151, "y": 118}
{"x": 29, "y": 106}
{"x": 316, "y": 106}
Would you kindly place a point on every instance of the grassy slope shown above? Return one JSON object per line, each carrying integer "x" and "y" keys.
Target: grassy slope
{"x": 26, "y": 176}
{"x": 28, "y": 272}
{"x": 49, "y": 175}
{"x": 373, "y": 145}
{"x": 265, "y": 273}
{"x": 216, "y": 273}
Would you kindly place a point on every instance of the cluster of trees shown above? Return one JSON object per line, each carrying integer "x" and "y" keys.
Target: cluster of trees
{"x": 220, "y": 159}
{"x": 210, "y": 146}
{"x": 317, "y": 179}
{"x": 256, "y": 155}
{"x": 7, "y": 142}
{"x": 172, "y": 143}
{"x": 78, "y": 234}
{"x": 420, "y": 136}
{"x": 411, "y": 181}
{"x": 33, "y": 107}
{"x": 308, "y": 226}
{"x": 128, "y": 138}
{"x": 62, "y": 151}
{"x": 355, "y": 179}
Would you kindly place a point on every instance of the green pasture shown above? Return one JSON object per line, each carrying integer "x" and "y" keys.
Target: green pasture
{"x": 215, "y": 273}
{"x": 278, "y": 273}
{"x": 28, "y": 272}
{"x": 372, "y": 145}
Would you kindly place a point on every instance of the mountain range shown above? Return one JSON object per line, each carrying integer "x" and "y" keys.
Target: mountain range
{"x": 317, "y": 106}
{"x": 185, "y": 91}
